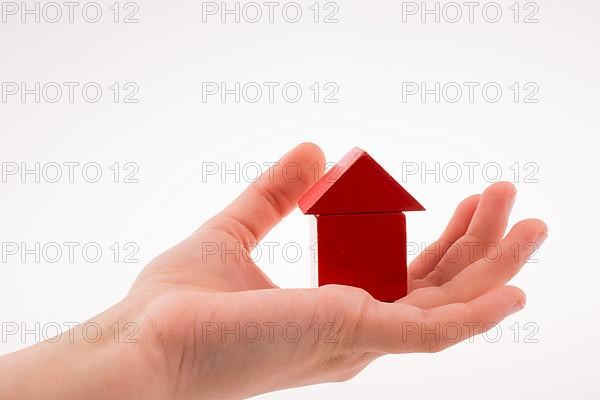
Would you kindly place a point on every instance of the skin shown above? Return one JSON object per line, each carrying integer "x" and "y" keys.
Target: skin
{"x": 185, "y": 304}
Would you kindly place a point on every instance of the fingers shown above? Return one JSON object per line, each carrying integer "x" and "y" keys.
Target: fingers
{"x": 400, "y": 328}
{"x": 491, "y": 217}
{"x": 264, "y": 203}
{"x": 500, "y": 263}
{"x": 425, "y": 262}
{"x": 486, "y": 226}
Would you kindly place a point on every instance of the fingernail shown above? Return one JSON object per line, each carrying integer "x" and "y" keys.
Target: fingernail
{"x": 518, "y": 306}
{"x": 541, "y": 237}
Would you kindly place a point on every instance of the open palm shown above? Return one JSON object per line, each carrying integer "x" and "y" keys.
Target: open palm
{"x": 217, "y": 327}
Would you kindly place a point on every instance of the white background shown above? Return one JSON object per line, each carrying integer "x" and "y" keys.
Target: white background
{"x": 171, "y": 134}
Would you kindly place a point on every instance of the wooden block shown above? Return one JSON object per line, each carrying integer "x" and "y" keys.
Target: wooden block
{"x": 357, "y": 184}
{"x": 364, "y": 250}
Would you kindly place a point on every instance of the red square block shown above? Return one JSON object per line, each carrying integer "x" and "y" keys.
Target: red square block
{"x": 364, "y": 250}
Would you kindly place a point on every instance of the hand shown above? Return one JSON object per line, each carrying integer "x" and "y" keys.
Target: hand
{"x": 213, "y": 327}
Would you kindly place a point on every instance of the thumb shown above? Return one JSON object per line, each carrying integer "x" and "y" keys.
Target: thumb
{"x": 273, "y": 196}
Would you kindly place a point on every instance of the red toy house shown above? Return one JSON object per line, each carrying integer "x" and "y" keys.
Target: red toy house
{"x": 361, "y": 228}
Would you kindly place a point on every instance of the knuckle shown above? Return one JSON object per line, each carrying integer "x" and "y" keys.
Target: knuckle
{"x": 345, "y": 376}
{"x": 435, "y": 278}
{"x": 275, "y": 198}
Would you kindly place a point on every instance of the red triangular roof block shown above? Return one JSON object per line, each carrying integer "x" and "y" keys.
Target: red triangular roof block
{"x": 357, "y": 184}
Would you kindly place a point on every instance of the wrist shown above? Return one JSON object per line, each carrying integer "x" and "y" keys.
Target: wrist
{"x": 106, "y": 357}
